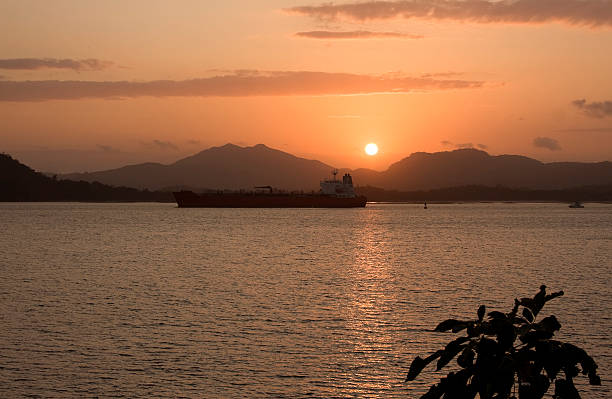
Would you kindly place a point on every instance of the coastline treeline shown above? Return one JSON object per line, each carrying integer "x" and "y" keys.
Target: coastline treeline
{"x": 486, "y": 193}
{"x": 20, "y": 183}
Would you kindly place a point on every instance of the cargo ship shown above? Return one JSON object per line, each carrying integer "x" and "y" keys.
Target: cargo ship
{"x": 333, "y": 194}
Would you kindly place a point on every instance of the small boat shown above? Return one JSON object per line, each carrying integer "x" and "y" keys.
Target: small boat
{"x": 576, "y": 204}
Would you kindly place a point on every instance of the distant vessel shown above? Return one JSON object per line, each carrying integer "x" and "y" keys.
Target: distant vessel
{"x": 333, "y": 194}
{"x": 425, "y": 205}
{"x": 576, "y": 204}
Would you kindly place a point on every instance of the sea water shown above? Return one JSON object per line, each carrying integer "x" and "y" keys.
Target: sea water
{"x": 148, "y": 300}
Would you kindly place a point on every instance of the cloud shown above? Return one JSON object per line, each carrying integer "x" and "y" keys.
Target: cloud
{"x": 194, "y": 142}
{"x": 106, "y": 148}
{"x": 599, "y": 109}
{"x": 90, "y": 64}
{"x": 358, "y": 34}
{"x": 441, "y": 74}
{"x": 587, "y": 130}
{"x": 447, "y": 143}
{"x": 160, "y": 145}
{"x": 591, "y": 13}
{"x": 165, "y": 145}
{"x": 232, "y": 85}
{"x": 546, "y": 142}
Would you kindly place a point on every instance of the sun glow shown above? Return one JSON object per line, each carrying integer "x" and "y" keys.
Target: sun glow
{"x": 371, "y": 149}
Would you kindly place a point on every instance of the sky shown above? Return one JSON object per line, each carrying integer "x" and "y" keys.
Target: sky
{"x": 90, "y": 85}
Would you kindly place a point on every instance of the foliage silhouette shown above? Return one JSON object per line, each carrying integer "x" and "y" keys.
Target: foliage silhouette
{"x": 506, "y": 350}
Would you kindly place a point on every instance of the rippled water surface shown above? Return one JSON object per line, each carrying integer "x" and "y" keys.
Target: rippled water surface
{"x": 148, "y": 300}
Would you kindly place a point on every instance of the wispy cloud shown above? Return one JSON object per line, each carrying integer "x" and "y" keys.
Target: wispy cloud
{"x": 90, "y": 64}
{"x": 591, "y": 13}
{"x": 165, "y": 145}
{"x": 447, "y": 143}
{"x": 547, "y": 143}
{"x": 598, "y": 109}
{"x": 587, "y": 130}
{"x": 194, "y": 142}
{"x": 357, "y": 34}
{"x": 441, "y": 74}
{"x": 160, "y": 145}
{"x": 233, "y": 85}
{"x": 106, "y": 148}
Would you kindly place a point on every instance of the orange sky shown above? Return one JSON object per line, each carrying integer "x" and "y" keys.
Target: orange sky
{"x": 90, "y": 85}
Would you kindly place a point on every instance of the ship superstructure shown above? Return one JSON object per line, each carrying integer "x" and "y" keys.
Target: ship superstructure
{"x": 335, "y": 187}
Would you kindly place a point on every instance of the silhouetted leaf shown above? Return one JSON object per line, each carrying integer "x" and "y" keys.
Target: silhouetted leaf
{"x": 466, "y": 359}
{"x": 457, "y": 386}
{"x": 514, "y": 309}
{"x": 528, "y": 303}
{"x": 418, "y": 364}
{"x": 503, "y": 377}
{"x": 532, "y": 337}
{"x": 434, "y": 356}
{"x": 528, "y": 315}
{"x": 594, "y": 379}
{"x": 548, "y": 355}
{"x": 481, "y": 312}
{"x": 565, "y": 389}
{"x": 435, "y": 392}
{"x": 450, "y": 351}
{"x": 549, "y": 324}
{"x": 496, "y": 315}
{"x": 573, "y": 355}
{"x": 535, "y": 387}
{"x": 504, "y": 331}
{"x": 553, "y": 296}
{"x": 451, "y": 324}
{"x": 473, "y": 329}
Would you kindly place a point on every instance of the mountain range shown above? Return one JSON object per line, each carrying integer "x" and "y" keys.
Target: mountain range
{"x": 234, "y": 167}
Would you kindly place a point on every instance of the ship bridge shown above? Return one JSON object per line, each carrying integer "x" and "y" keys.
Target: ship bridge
{"x": 336, "y": 188}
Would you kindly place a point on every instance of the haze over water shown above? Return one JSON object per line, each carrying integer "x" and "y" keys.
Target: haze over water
{"x": 145, "y": 300}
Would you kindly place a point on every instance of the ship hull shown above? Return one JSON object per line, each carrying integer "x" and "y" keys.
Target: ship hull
{"x": 189, "y": 199}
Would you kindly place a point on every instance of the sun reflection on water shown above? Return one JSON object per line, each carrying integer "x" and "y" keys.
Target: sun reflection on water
{"x": 370, "y": 326}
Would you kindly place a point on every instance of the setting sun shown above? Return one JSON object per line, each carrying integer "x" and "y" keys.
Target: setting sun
{"x": 371, "y": 149}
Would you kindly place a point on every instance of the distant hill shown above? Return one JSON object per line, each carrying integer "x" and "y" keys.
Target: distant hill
{"x": 465, "y": 167}
{"x": 234, "y": 167}
{"x": 225, "y": 167}
{"x": 20, "y": 183}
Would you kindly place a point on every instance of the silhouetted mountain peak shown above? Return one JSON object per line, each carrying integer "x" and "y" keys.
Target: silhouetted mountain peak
{"x": 232, "y": 166}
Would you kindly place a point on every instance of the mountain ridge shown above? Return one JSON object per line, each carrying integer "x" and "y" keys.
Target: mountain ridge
{"x": 19, "y": 182}
{"x": 234, "y": 167}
